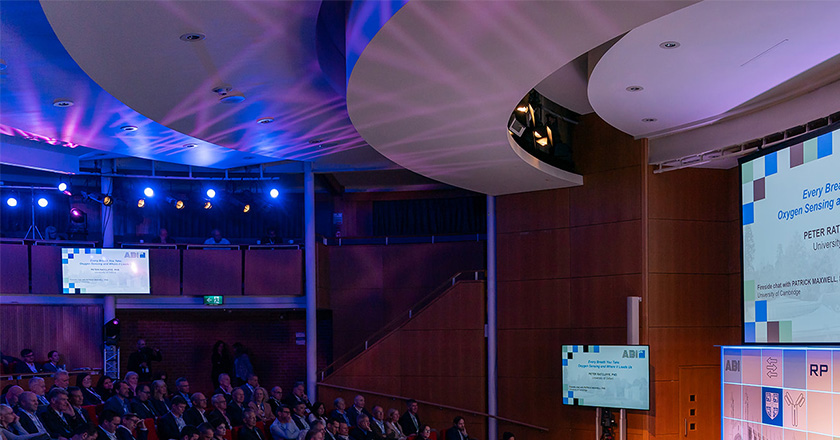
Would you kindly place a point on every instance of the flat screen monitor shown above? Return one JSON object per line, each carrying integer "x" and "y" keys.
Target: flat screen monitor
{"x": 606, "y": 376}
{"x": 790, "y": 212}
{"x": 87, "y": 271}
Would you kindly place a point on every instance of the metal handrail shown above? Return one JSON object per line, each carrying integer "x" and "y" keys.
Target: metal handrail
{"x": 434, "y": 404}
{"x": 403, "y": 318}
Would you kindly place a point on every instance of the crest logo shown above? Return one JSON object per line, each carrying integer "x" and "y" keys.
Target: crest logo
{"x": 772, "y": 406}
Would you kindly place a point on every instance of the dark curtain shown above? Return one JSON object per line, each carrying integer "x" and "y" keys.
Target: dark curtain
{"x": 463, "y": 215}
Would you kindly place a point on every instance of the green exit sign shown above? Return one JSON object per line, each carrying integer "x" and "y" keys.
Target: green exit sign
{"x": 215, "y": 300}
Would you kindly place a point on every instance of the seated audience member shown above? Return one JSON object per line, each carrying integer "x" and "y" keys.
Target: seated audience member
{"x": 87, "y": 431}
{"x": 377, "y": 423}
{"x": 425, "y": 432}
{"x": 314, "y": 435}
{"x": 105, "y": 388}
{"x": 108, "y": 423}
{"x": 357, "y": 410}
{"x": 339, "y": 412}
{"x": 132, "y": 379}
{"x": 120, "y": 404}
{"x": 141, "y": 360}
{"x": 170, "y": 425}
{"x": 57, "y": 422}
{"x": 299, "y": 416}
{"x": 237, "y": 407}
{"x": 225, "y": 388}
{"x": 331, "y": 430}
{"x": 39, "y": 387}
{"x": 52, "y": 366}
{"x": 216, "y": 238}
{"x": 298, "y": 396}
{"x": 362, "y": 429}
{"x": 12, "y": 430}
{"x": 195, "y": 415}
{"x": 276, "y": 399}
{"x": 163, "y": 237}
{"x": 319, "y": 413}
{"x": 205, "y": 431}
{"x": 260, "y": 407}
{"x": 283, "y": 427}
{"x": 343, "y": 431}
{"x": 393, "y": 430}
{"x": 458, "y": 431}
{"x": 410, "y": 421}
{"x": 508, "y": 436}
{"x": 219, "y": 413}
{"x": 77, "y": 400}
{"x": 189, "y": 433}
{"x": 159, "y": 401}
{"x": 182, "y": 388}
{"x": 270, "y": 237}
{"x": 219, "y": 431}
{"x": 12, "y": 395}
{"x": 27, "y": 411}
{"x": 61, "y": 379}
{"x": 27, "y": 365}
{"x": 141, "y": 405}
{"x": 132, "y": 428}
{"x": 85, "y": 383}
{"x": 251, "y": 383}
{"x": 249, "y": 430}
{"x": 316, "y": 430}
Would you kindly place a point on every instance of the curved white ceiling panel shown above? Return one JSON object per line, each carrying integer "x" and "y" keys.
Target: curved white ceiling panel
{"x": 728, "y": 53}
{"x": 434, "y": 89}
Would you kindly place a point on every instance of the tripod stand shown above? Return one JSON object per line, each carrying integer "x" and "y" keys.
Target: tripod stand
{"x": 32, "y": 228}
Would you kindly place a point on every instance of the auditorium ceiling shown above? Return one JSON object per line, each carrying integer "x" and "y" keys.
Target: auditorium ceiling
{"x": 420, "y": 88}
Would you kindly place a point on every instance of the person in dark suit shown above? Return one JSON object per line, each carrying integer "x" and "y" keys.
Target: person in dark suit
{"x": 219, "y": 413}
{"x": 141, "y": 360}
{"x": 85, "y": 382}
{"x": 27, "y": 409}
{"x": 377, "y": 423}
{"x": 108, "y": 423}
{"x": 189, "y": 433}
{"x": 236, "y": 408}
{"x": 182, "y": 388}
{"x": 276, "y": 399}
{"x": 132, "y": 428}
{"x": 196, "y": 414}
{"x": 56, "y": 421}
{"x": 120, "y": 403}
{"x": 27, "y": 365}
{"x": 224, "y": 388}
{"x": 141, "y": 406}
{"x": 77, "y": 400}
{"x": 331, "y": 430}
{"x": 362, "y": 429}
{"x": 170, "y": 425}
{"x": 410, "y": 421}
{"x": 458, "y": 431}
{"x": 159, "y": 401}
{"x": 38, "y": 386}
{"x": 249, "y": 430}
{"x": 53, "y": 365}
{"x": 340, "y": 413}
{"x": 358, "y": 409}
{"x": 251, "y": 384}
{"x": 163, "y": 237}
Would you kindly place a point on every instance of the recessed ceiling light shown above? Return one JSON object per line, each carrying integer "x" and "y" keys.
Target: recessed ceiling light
{"x": 128, "y": 128}
{"x": 649, "y": 120}
{"x": 222, "y": 90}
{"x": 265, "y": 120}
{"x": 190, "y": 145}
{"x": 634, "y": 88}
{"x": 63, "y": 102}
{"x": 192, "y": 37}
{"x": 669, "y": 44}
{"x": 232, "y": 98}
{"x": 315, "y": 141}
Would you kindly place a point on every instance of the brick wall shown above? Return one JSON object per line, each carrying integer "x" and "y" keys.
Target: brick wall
{"x": 186, "y": 339}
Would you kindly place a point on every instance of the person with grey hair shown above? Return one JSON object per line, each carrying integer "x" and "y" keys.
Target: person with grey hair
{"x": 27, "y": 411}
{"x": 362, "y": 429}
{"x": 11, "y": 428}
{"x": 12, "y": 395}
{"x": 357, "y": 410}
{"x": 132, "y": 379}
{"x": 39, "y": 387}
{"x": 197, "y": 413}
{"x": 339, "y": 412}
{"x": 249, "y": 430}
{"x": 61, "y": 379}
{"x": 55, "y": 417}
{"x": 393, "y": 430}
{"x": 219, "y": 414}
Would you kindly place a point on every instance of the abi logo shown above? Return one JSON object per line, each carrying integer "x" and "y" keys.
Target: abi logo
{"x": 733, "y": 366}
{"x": 135, "y": 255}
{"x": 817, "y": 369}
{"x": 633, "y": 354}
{"x": 772, "y": 406}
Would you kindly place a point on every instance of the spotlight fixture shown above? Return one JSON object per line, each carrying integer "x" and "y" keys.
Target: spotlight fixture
{"x": 208, "y": 205}
{"x": 246, "y": 208}
{"x": 634, "y": 88}
{"x": 178, "y": 204}
{"x": 77, "y": 215}
{"x": 274, "y": 193}
{"x": 211, "y": 193}
{"x": 267, "y": 120}
{"x": 12, "y": 201}
{"x": 190, "y": 145}
{"x": 149, "y": 192}
{"x": 232, "y": 98}
{"x": 63, "y": 103}
{"x": 141, "y": 203}
{"x": 522, "y": 108}
{"x": 107, "y": 201}
{"x": 42, "y": 202}
{"x": 103, "y": 199}
{"x": 128, "y": 128}
{"x": 62, "y": 186}
{"x": 192, "y": 37}
{"x": 543, "y": 135}
{"x": 669, "y": 44}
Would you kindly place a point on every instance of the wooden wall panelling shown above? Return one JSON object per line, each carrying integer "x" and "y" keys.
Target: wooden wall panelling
{"x": 533, "y": 255}
{"x": 602, "y": 301}
{"x": 212, "y": 272}
{"x": 608, "y": 196}
{"x": 47, "y": 279}
{"x": 165, "y": 271}
{"x": 14, "y": 265}
{"x": 692, "y": 194}
{"x": 429, "y": 265}
{"x": 356, "y": 267}
{"x": 672, "y": 347}
{"x": 357, "y": 314}
{"x": 599, "y": 147}
{"x": 527, "y": 352}
{"x": 532, "y": 211}
{"x": 693, "y": 300}
{"x": 278, "y": 272}
{"x": 683, "y": 246}
{"x": 534, "y": 304}
{"x": 606, "y": 249}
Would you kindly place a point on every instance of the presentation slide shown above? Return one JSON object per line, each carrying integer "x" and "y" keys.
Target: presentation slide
{"x": 791, "y": 244}
{"x": 606, "y": 376}
{"x": 105, "y": 271}
{"x": 780, "y": 393}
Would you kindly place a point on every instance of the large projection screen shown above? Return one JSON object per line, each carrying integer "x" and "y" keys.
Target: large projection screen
{"x": 791, "y": 242}
{"x": 87, "y": 271}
